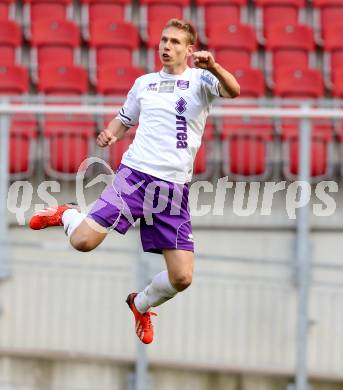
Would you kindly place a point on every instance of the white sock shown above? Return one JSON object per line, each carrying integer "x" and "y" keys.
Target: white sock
{"x": 71, "y": 219}
{"x": 159, "y": 291}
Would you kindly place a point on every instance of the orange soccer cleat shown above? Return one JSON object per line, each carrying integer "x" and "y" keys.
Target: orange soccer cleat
{"x": 50, "y": 216}
{"x": 144, "y": 328}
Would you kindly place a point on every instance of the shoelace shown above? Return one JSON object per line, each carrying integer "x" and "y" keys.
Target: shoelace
{"x": 147, "y": 317}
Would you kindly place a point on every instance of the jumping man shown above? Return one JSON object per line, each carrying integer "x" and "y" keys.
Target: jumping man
{"x": 171, "y": 107}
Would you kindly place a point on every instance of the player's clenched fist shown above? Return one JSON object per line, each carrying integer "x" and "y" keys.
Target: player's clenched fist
{"x": 106, "y": 138}
{"x": 203, "y": 59}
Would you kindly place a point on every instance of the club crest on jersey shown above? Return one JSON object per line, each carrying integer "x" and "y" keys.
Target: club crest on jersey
{"x": 167, "y": 86}
{"x": 181, "y": 106}
{"x": 205, "y": 76}
{"x": 182, "y": 84}
{"x": 152, "y": 87}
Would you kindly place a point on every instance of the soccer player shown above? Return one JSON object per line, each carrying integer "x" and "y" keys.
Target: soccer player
{"x": 171, "y": 107}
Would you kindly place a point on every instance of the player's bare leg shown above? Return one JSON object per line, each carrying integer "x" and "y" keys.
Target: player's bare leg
{"x": 88, "y": 235}
{"x": 163, "y": 287}
{"x": 84, "y": 233}
{"x": 180, "y": 266}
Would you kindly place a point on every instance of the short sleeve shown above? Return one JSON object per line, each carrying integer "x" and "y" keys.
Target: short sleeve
{"x": 129, "y": 113}
{"x": 209, "y": 85}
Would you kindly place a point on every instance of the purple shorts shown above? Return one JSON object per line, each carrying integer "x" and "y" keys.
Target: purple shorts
{"x": 161, "y": 206}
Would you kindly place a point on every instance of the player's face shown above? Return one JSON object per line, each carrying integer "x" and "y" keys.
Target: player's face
{"x": 174, "y": 48}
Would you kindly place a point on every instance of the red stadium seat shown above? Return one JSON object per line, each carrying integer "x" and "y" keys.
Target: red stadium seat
{"x": 35, "y": 10}
{"x": 7, "y": 9}
{"x": 288, "y": 46}
{"x": 337, "y": 83}
{"x": 113, "y": 43}
{"x": 155, "y": 13}
{"x": 298, "y": 83}
{"x": 62, "y": 80}
{"x": 246, "y": 148}
{"x": 328, "y": 13}
{"x": 115, "y": 152}
{"x": 23, "y": 134}
{"x": 155, "y": 31}
{"x": 10, "y": 40}
{"x": 117, "y": 80}
{"x": 68, "y": 140}
{"x": 247, "y": 142}
{"x": 233, "y": 44}
{"x": 54, "y": 42}
{"x": 202, "y": 168}
{"x": 93, "y": 11}
{"x": 277, "y": 12}
{"x": 13, "y": 80}
{"x": 214, "y": 12}
{"x": 333, "y": 55}
{"x": 23, "y": 127}
{"x": 251, "y": 82}
{"x": 320, "y": 149}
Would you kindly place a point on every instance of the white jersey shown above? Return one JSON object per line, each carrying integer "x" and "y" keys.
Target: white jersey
{"x": 171, "y": 111}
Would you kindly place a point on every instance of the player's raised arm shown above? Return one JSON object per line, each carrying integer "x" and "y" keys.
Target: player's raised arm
{"x": 228, "y": 85}
{"x": 114, "y": 131}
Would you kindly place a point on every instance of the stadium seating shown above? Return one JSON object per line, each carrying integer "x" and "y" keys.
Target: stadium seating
{"x": 247, "y": 142}
{"x": 13, "y": 80}
{"x": 251, "y": 82}
{"x": 233, "y": 45}
{"x": 288, "y": 46}
{"x": 113, "y": 43}
{"x": 327, "y": 13}
{"x": 304, "y": 84}
{"x": 333, "y": 55}
{"x": 202, "y": 164}
{"x": 321, "y": 149}
{"x": 23, "y": 127}
{"x": 215, "y": 12}
{"x": 277, "y": 12}
{"x": 67, "y": 138}
{"x": 62, "y": 80}
{"x": 337, "y": 90}
{"x": 54, "y": 42}
{"x": 114, "y": 153}
{"x": 247, "y": 148}
{"x": 35, "y": 10}
{"x": 298, "y": 83}
{"x": 7, "y": 9}
{"x": 68, "y": 141}
{"x": 94, "y": 11}
{"x": 117, "y": 80}
{"x": 155, "y": 13}
{"x": 10, "y": 41}
{"x": 22, "y": 148}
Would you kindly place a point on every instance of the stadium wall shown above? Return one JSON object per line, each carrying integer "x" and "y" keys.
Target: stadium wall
{"x": 61, "y": 308}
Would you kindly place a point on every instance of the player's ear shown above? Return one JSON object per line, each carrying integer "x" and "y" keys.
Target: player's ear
{"x": 190, "y": 50}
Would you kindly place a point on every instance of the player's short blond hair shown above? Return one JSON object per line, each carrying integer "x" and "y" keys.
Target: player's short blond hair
{"x": 184, "y": 26}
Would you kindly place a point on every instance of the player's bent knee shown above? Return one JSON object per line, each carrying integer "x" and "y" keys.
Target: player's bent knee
{"x": 87, "y": 236}
{"x": 181, "y": 281}
{"x": 82, "y": 243}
